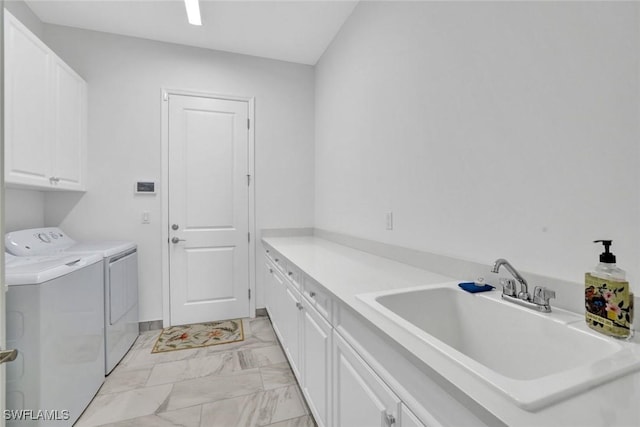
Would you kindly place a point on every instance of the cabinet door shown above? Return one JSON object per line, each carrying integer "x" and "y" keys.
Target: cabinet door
{"x": 407, "y": 419}
{"x": 361, "y": 399}
{"x": 27, "y": 106}
{"x": 268, "y": 289}
{"x": 291, "y": 313}
{"x": 316, "y": 354}
{"x": 277, "y": 290}
{"x": 69, "y": 132}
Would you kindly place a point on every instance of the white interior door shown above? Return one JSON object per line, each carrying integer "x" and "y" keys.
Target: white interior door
{"x": 208, "y": 209}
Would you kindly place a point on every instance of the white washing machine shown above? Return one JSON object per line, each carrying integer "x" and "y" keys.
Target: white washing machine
{"x": 55, "y": 319}
{"x": 120, "y": 278}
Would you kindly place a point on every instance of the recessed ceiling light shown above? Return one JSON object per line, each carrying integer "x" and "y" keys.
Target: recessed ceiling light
{"x": 193, "y": 11}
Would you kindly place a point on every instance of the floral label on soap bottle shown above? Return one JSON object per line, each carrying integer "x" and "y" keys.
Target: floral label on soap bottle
{"x": 608, "y": 305}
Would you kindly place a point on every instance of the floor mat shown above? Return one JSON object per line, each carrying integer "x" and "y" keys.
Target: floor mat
{"x": 199, "y": 335}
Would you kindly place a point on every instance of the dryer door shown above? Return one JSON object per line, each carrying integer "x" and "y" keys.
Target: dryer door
{"x": 122, "y": 286}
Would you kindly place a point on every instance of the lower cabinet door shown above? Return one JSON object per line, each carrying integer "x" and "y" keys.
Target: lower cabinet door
{"x": 274, "y": 293}
{"x": 360, "y": 398}
{"x": 407, "y": 419}
{"x": 316, "y": 352}
{"x": 290, "y": 327}
{"x": 268, "y": 288}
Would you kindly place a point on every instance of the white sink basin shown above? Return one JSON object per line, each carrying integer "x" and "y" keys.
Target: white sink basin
{"x": 534, "y": 358}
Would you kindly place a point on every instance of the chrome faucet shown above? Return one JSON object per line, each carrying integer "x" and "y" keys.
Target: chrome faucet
{"x": 524, "y": 287}
{"x": 541, "y": 295}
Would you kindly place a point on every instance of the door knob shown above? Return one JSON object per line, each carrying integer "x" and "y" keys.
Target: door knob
{"x": 176, "y": 240}
{"x": 175, "y": 226}
{"x": 8, "y": 355}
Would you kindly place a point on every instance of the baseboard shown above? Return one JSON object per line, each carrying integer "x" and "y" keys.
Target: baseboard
{"x": 151, "y": 325}
{"x": 287, "y": 232}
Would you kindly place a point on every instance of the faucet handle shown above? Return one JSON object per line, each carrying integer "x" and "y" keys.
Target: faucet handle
{"x": 508, "y": 287}
{"x": 542, "y": 295}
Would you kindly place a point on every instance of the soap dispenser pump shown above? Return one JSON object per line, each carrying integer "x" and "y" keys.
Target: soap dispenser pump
{"x": 608, "y": 299}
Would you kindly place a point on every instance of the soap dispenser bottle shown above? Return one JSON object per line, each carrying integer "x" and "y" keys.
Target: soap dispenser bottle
{"x": 608, "y": 299}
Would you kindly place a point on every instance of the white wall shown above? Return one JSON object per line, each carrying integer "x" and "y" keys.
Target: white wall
{"x": 124, "y": 78}
{"x": 505, "y": 129}
{"x": 23, "y": 209}
{"x": 24, "y": 14}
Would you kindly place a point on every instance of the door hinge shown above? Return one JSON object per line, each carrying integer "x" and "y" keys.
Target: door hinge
{"x": 249, "y": 293}
{"x": 165, "y": 96}
{"x": 248, "y": 179}
{"x": 248, "y": 123}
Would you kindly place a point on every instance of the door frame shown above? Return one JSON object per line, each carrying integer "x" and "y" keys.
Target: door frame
{"x": 3, "y": 287}
{"x": 165, "y": 93}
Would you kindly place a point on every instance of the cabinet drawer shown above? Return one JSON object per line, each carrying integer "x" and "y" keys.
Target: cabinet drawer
{"x": 294, "y": 275}
{"x": 277, "y": 259}
{"x": 318, "y": 297}
{"x": 268, "y": 252}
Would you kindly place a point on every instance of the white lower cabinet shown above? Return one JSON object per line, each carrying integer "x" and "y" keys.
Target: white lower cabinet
{"x": 268, "y": 290}
{"x": 407, "y": 419}
{"x": 361, "y": 399}
{"x": 283, "y": 303}
{"x": 274, "y": 296}
{"x": 290, "y": 327}
{"x": 340, "y": 387}
{"x": 316, "y": 362}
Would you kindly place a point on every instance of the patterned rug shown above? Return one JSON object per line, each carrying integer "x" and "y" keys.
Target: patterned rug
{"x": 199, "y": 335}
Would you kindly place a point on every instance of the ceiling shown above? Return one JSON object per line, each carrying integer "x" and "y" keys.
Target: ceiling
{"x": 294, "y": 31}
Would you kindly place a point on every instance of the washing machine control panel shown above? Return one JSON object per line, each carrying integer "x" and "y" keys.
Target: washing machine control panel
{"x": 37, "y": 241}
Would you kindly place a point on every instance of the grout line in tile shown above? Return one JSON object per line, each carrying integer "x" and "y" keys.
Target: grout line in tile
{"x": 165, "y": 403}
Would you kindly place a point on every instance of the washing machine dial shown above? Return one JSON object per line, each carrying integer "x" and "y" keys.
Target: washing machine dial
{"x": 43, "y": 237}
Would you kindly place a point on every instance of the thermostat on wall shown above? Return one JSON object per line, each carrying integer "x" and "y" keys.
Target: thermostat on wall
{"x": 145, "y": 187}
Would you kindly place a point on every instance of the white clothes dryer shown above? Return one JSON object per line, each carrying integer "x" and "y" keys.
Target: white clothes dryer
{"x": 120, "y": 278}
{"x": 55, "y": 319}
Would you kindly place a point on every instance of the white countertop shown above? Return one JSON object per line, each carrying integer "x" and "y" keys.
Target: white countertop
{"x": 346, "y": 272}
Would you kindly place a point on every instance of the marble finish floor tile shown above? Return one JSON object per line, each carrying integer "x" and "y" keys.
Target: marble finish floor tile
{"x": 262, "y": 356}
{"x": 181, "y": 370}
{"x": 213, "y": 388}
{"x": 143, "y": 357}
{"x": 247, "y": 383}
{"x": 146, "y": 340}
{"x": 305, "y": 421}
{"x": 277, "y": 375}
{"x": 109, "y": 408}
{"x": 259, "y": 409}
{"x": 188, "y": 417}
{"x": 261, "y": 329}
{"x": 125, "y": 379}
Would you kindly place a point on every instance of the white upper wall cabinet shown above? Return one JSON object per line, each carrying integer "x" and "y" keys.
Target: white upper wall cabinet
{"x": 45, "y": 115}
{"x": 69, "y": 121}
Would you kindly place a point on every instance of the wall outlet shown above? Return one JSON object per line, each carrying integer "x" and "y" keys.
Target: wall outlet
{"x": 146, "y": 217}
{"x": 389, "y": 220}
